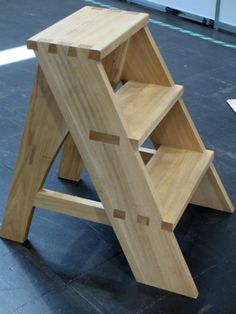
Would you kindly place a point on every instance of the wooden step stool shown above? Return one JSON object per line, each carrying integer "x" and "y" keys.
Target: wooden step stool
{"x": 143, "y": 192}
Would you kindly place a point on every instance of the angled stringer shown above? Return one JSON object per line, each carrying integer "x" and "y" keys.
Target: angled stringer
{"x": 71, "y": 165}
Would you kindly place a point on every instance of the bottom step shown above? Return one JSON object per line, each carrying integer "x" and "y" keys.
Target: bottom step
{"x": 176, "y": 174}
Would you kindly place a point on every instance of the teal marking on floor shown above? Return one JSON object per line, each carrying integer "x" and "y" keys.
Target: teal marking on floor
{"x": 172, "y": 27}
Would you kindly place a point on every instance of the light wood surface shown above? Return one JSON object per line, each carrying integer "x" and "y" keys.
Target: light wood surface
{"x": 176, "y": 174}
{"x": 177, "y": 128}
{"x": 113, "y": 64}
{"x": 142, "y": 51}
{"x": 104, "y": 137}
{"x": 211, "y": 193}
{"x": 71, "y": 165}
{"x": 143, "y": 106}
{"x": 71, "y": 205}
{"x": 43, "y": 134}
{"x": 79, "y": 98}
{"x": 143, "y": 192}
{"x": 73, "y": 172}
{"x": 96, "y": 30}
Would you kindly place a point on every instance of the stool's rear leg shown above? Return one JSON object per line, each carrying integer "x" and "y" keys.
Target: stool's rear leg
{"x": 43, "y": 135}
{"x": 71, "y": 166}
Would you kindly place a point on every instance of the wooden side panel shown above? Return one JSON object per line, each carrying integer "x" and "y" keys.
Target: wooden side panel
{"x": 71, "y": 166}
{"x": 211, "y": 193}
{"x": 177, "y": 128}
{"x": 87, "y": 102}
{"x": 43, "y": 135}
{"x": 144, "y": 62}
{"x": 114, "y": 63}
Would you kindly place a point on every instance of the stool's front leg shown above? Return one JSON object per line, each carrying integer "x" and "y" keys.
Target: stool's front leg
{"x": 43, "y": 135}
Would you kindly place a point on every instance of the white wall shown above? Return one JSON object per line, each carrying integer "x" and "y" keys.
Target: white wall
{"x": 205, "y": 8}
{"x": 227, "y": 12}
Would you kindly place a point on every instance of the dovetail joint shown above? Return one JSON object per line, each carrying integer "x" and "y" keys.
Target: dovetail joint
{"x": 52, "y": 48}
{"x": 105, "y": 138}
{"x": 72, "y": 52}
{"x": 119, "y": 214}
{"x": 143, "y": 220}
{"x": 32, "y": 45}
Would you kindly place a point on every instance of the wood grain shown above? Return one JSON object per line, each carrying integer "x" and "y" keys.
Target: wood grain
{"x": 88, "y": 102}
{"x": 104, "y": 137}
{"x": 113, "y": 65}
{"x": 176, "y": 174}
{"x": 177, "y": 128}
{"x": 43, "y": 135}
{"x": 71, "y": 205}
{"x": 212, "y": 194}
{"x": 144, "y": 193}
{"x": 143, "y": 106}
{"x": 98, "y": 32}
{"x": 71, "y": 165}
{"x": 144, "y": 62}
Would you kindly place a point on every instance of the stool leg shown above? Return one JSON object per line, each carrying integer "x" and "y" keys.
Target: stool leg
{"x": 71, "y": 166}
{"x": 211, "y": 193}
{"x": 43, "y": 135}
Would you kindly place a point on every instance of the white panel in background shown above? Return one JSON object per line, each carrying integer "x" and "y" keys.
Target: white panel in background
{"x": 228, "y": 12}
{"x": 204, "y": 8}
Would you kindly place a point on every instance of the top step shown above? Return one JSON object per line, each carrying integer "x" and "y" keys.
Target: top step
{"x": 94, "y": 29}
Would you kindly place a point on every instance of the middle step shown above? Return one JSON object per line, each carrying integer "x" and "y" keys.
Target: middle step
{"x": 143, "y": 106}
